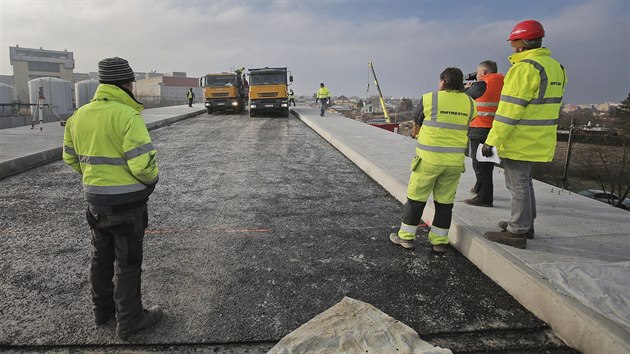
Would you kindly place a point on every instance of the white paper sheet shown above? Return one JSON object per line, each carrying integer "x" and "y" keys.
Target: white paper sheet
{"x": 494, "y": 158}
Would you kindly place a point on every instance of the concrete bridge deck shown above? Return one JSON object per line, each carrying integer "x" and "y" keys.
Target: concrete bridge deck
{"x": 574, "y": 275}
{"x": 574, "y": 235}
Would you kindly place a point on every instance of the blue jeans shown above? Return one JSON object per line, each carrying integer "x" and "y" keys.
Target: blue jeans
{"x": 323, "y": 103}
{"x": 518, "y": 180}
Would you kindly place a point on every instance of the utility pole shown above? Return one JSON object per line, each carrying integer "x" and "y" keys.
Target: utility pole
{"x": 567, "y": 158}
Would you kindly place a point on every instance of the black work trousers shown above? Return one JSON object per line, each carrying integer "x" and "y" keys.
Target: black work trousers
{"x": 483, "y": 173}
{"x": 190, "y": 102}
{"x": 117, "y": 243}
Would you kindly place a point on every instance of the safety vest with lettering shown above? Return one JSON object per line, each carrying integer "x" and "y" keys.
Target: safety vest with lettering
{"x": 526, "y": 120}
{"x": 488, "y": 102}
{"x": 323, "y": 92}
{"x": 107, "y": 142}
{"x": 443, "y": 136}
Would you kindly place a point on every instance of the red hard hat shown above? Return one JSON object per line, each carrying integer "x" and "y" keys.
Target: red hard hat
{"x": 530, "y": 29}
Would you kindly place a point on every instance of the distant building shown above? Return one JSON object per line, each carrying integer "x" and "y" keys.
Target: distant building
{"x": 81, "y": 77}
{"x": 6, "y": 79}
{"x": 29, "y": 63}
{"x": 161, "y": 91}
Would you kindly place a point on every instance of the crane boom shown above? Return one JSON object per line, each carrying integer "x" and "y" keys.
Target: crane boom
{"x": 380, "y": 94}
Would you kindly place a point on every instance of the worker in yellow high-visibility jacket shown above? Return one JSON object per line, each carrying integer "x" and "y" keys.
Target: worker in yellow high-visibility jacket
{"x": 323, "y": 96}
{"x": 439, "y": 162}
{"x": 108, "y": 143}
{"x": 525, "y": 124}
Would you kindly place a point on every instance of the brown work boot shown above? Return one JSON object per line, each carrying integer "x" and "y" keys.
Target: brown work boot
{"x": 507, "y": 238}
{"x": 408, "y": 244}
{"x": 149, "y": 318}
{"x": 476, "y": 201}
{"x": 530, "y": 234}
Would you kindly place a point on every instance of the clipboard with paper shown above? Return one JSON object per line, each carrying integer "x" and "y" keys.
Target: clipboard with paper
{"x": 494, "y": 158}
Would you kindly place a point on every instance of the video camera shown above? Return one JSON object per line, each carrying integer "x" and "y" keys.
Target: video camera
{"x": 471, "y": 77}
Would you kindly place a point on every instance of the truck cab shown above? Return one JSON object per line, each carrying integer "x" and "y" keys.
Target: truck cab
{"x": 268, "y": 91}
{"x": 224, "y": 92}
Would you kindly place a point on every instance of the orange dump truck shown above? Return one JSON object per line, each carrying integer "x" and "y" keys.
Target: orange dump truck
{"x": 268, "y": 91}
{"x": 224, "y": 92}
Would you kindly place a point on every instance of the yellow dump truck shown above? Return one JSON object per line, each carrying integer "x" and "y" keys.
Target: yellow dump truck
{"x": 224, "y": 92}
{"x": 268, "y": 91}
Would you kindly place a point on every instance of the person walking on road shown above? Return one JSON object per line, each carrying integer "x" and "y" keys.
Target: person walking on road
{"x": 291, "y": 98}
{"x": 486, "y": 92}
{"x": 525, "y": 124}
{"x": 323, "y": 96}
{"x": 191, "y": 96}
{"x": 444, "y": 116}
{"x": 107, "y": 142}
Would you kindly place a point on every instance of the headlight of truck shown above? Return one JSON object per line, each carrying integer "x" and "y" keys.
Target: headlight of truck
{"x": 207, "y": 104}
{"x": 252, "y": 106}
{"x": 234, "y": 103}
{"x": 284, "y": 105}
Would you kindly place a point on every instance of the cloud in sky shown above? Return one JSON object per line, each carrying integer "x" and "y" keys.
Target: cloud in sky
{"x": 410, "y": 42}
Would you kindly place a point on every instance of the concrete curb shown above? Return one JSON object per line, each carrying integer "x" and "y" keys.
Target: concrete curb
{"x": 579, "y": 326}
{"x": 27, "y": 162}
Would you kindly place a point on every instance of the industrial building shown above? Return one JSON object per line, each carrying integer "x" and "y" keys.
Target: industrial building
{"x": 167, "y": 90}
{"x": 29, "y": 64}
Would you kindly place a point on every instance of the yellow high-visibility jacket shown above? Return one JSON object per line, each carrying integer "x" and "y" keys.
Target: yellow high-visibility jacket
{"x": 323, "y": 93}
{"x": 443, "y": 137}
{"x": 526, "y": 120}
{"x": 107, "y": 142}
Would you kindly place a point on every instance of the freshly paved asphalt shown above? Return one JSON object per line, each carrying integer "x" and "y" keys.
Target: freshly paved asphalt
{"x": 257, "y": 225}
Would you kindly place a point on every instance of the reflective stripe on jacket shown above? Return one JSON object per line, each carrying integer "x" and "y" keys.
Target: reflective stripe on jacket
{"x": 323, "y": 92}
{"x": 526, "y": 120}
{"x": 442, "y": 139}
{"x": 190, "y": 94}
{"x": 488, "y": 102}
{"x": 107, "y": 142}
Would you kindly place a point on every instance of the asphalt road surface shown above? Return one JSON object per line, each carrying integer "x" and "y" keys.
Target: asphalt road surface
{"x": 256, "y": 226}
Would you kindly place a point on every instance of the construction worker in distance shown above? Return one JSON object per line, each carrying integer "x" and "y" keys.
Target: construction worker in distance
{"x": 524, "y": 127}
{"x": 323, "y": 96}
{"x": 107, "y": 142}
{"x": 486, "y": 92}
{"x": 291, "y": 98}
{"x": 444, "y": 116}
{"x": 191, "y": 96}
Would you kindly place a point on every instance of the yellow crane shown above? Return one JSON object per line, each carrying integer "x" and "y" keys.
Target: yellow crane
{"x": 380, "y": 94}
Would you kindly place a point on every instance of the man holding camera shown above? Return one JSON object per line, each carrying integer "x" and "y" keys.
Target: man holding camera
{"x": 524, "y": 127}
{"x": 486, "y": 92}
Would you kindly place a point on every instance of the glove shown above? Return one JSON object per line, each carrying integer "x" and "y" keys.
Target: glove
{"x": 316, "y": 100}
{"x": 486, "y": 150}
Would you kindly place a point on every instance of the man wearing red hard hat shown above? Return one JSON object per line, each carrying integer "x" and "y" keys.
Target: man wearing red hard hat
{"x": 524, "y": 127}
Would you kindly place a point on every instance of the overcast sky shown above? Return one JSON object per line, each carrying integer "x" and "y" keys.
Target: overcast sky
{"x": 330, "y": 41}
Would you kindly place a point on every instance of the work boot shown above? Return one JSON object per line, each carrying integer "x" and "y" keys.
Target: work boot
{"x": 439, "y": 248}
{"x": 149, "y": 318}
{"x": 530, "y": 233}
{"x": 476, "y": 201}
{"x": 507, "y": 238}
{"x": 473, "y": 191}
{"x": 103, "y": 316}
{"x": 408, "y": 244}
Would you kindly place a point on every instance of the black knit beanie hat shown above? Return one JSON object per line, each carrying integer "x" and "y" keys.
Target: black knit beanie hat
{"x": 114, "y": 71}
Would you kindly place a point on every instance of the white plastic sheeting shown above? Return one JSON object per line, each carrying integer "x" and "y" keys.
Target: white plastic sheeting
{"x": 602, "y": 286}
{"x": 353, "y": 326}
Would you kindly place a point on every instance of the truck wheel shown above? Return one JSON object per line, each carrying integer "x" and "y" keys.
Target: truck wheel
{"x": 252, "y": 113}
{"x": 209, "y": 110}
{"x": 285, "y": 113}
